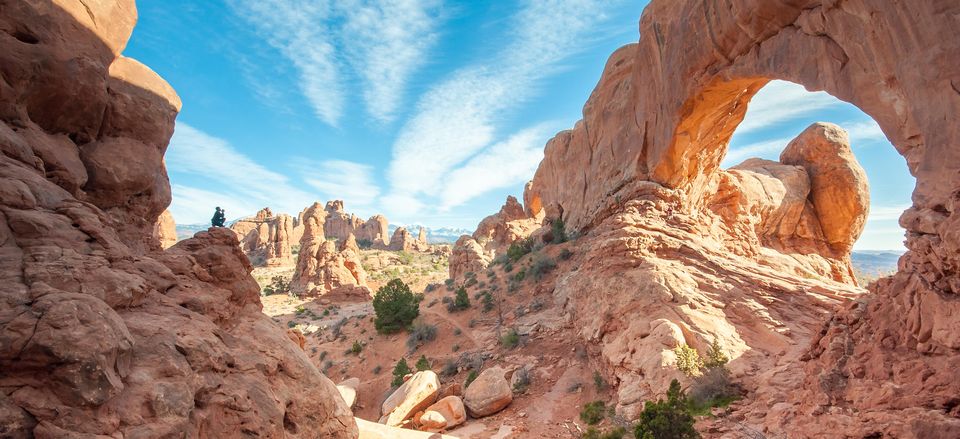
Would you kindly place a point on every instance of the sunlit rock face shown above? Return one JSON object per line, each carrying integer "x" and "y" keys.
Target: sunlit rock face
{"x": 102, "y": 333}
{"x": 325, "y": 266}
{"x": 676, "y": 250}
{"x": 266, "y": 238}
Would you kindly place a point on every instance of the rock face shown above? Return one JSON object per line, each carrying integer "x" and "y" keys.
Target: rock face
{"x": 340, "y": 225}
{"x": 492, "y": 237}
{"x": 416, "y": 394}
{"x": 663, "y": 264}
{"x": 265, "y": 238}
{"x": 322, "y": 267}
{"x": 488, "y": 394}
{"x": 104, "y": 335}
{"x": 402, "y": 240}
{"x": 165, "y": 230}
{"x": 443, "y": 415}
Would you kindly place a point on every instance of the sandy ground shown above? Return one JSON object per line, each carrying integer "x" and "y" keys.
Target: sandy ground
{"x": 562, "y": 380}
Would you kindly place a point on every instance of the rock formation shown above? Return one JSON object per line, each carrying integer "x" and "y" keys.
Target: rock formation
{"x": 165, "y": 230}
{"x": 402, "y": 240}
{"x": 662, "y": 263}
{"x": 414, "y": 395}
{"x": 265, "y": 238}
{"x": 488, "y": 394}
{"x": 492, "y": 238}
{"x": 339, "y": 225}
{"x": 101, "y": 333}
{"x": 322, "y": 267}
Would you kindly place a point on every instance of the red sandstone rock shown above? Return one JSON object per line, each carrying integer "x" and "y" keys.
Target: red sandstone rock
{"x": 102, "y": 334}
{"x": 402, "y": 240}
{"x": 322, "y": 268}
{"x": 265, "y": 238}
{"x": 166, "y": 230}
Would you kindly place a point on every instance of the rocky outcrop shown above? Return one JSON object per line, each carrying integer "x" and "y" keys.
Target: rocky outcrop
{"x": 414, "y": 395}
{"x": 101, "y": 333}
{"x": 446, "y": 413}
{"x": 402, "y": 240}
{"x": 348, "y": 391}
{"x": 265, "y": 238}
{"x": 494, "y": 235}
{"x": 322, "y": 267}
{"x": 488, "y": 394}
{"x": 640, "y": 177}
{"x": 165, "y": 230}
{"x": 339, "y": 225}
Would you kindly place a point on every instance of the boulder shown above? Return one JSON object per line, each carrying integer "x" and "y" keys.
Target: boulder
{"x": 348, "y": 390}
{"x": 297, "y": 337}
{"x": 443, "y": 415}
{"x": 488, "y": 394}
{"x": 414, "y": 395}
{"x": 373, "y": 430}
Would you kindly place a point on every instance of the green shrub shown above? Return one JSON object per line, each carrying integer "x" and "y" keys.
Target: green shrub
{"x": 400, "y": 371}
{"x": 291, "y": 324}
{"x": 420, "y": 333}
{"x": 521, "y": 275}
{"x": 593, "y": 412}
{"x": 356, "y": 348}
{"x": 613, "y": 433}
{"x": 521, "y": 380}
{"x": 519, "y": 249}
{"x": 487, "y": 301}
{"x": 457, "y": 331}
{"x": 688, "y": 360}
{"x": 715, "y": 355}
{"x": 449, "y": 369}
{"x": 565, "y": 254}
{"x": 278, "y": 285}
{"x": 558, "y": 230}
{"x": 668, "y": 419}
{"x": 541, "y": 266}
{"x": 376, "y": 370}
{"x": 364, "y": 243}
{"x": 396, "y": 307}
{"x": 510, "y": 339}
{"x": 470, "y": 377}
{"x": 599, "y": 382}
{"x": 460, "y": 302}
{"x": 422, "y": 363}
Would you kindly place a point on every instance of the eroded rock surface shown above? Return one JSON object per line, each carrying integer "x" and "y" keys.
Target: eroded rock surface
{"x": 266, "y": 238}
{"x": 165, "y": 230}
{"x": 322, "y": 266}
{"x": 101, "y": 333}
{"x": 494, "y": 235}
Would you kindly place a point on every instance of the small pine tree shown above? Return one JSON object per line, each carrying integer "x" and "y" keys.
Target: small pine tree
{"x": 715, "y": 356}
{"x": 462, "y": 301}
{"x": 422, "y": 363}
{"x": 396, "y": 307}
{"x": 559, "y": 231}
{"x": 356, "y": 348}
{"x": 399, "y": 371}
{"x": 667, "y": 419}
{"x": 688, "y": 360}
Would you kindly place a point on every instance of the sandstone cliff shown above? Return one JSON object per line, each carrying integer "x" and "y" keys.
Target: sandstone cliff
{"x": 101, "y": 333}
{"x": 494, "y": 234}
{"x": 403, "y": 240}
{"x": 165, "y": 230}
{"x": 676, "y": 250}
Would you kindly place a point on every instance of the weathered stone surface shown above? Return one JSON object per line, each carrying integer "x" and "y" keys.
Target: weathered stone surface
{"x": 166, "y": 230}
{"x": 373, "y": 430}
{"x": 265, "y": 238}
{"x": 443, "y": 415}
{"x": 488, "y": 394}
{"x": 467, "y": 256}
{"x": 402, "y": 240}
{"x": 322, "y": 268}
{"x": 101, "y": 333}
{"x": 493, "y": 237}
{"x": 348, "y": 390}
{"x": 414, "y": 395}
{"x": 639, "y": 177}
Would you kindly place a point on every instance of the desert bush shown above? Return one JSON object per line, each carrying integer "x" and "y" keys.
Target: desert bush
{"x": 507, "y": 267}
{"x": 449, "y": 369}
{"x": 291, "y": 324}
{"x": 593, "y": 412}
{"x": 613, "y": 433}
{"x": 513, "y": 286}
{"x": 422, "y": 363}
{"x": 713, "y": 388}
{"x": 541, "y": 266}
{"x": 323, "y": 355}
{"x": 356, "y": 348}
{"x": 715, "y": 355}
{"x": 520, "y": 311}
{"x": 455, "y": 348}
{"x": 472, "y": 323}
{"x": 449, "y": 284}
{"x": 523, "y": 380}
{"x": 400, "y": 371}
{"x": 575, "y": 387}
{"x": 511, "y": 339}
{"x": 599, "y": 382}
{"x": 431, "y": 287}
{"x": 377, "y": 370}
{"x": 688, "y": 360}
{"x": 519, "y": 249}
{"x": 536, "y": 304}
{"x": 559, "y": 231}
{"x": 337, "y": 329}
{"x": 667, "y": 419}
{"x": 470, "y": 377}
{"x": 487, "y": 300}
{"x": 278, "y": 285}
{"x": 520, "y": 275}
{"x": 420, "y": 333}
{"x": 471, "y": 281}
{"x": 396, "y": 307}
{"x": 460, "y": 302}
{"x": 565, "y": 254}
{"x": 364, "y": 244}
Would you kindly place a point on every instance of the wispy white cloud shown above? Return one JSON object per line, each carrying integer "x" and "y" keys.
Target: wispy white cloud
{"x": 886, "y": 213}
{"x": 458, "y": 118}
{"x": 864, "y": 132}
{"x": 345, "y": 180}
{"x": 298, "y": 30}
{"x": 769, "y": 149}
{"x": 383, "y": 41}
{"x": 781, "y": 101}
{"x": 503, "y": 164}
{"x": 387, "y": 41}
{"x": 241, "y": 184}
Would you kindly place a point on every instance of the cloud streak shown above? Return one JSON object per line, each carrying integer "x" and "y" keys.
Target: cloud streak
{"x": 383, "y": 41}
{"x": 781, "y": 101}
{"x": 459, "y": 117}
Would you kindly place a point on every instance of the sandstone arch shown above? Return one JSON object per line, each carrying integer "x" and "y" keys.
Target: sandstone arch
{"x": 657, "y": 125}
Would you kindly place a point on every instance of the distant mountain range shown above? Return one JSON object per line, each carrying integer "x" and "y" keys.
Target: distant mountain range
{"x": 873, "y": 262}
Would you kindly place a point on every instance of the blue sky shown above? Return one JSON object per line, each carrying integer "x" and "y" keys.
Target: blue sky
{"x": 430, "y": 112}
